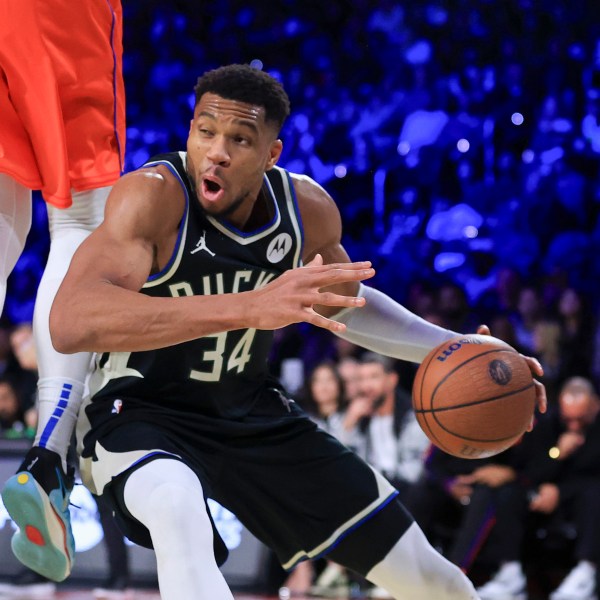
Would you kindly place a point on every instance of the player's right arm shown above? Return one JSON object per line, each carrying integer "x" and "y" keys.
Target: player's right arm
{"x": 99, "y": 308}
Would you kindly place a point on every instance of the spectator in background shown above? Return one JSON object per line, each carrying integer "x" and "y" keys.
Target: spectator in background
{"x": 576, "y": 335}
{"x": 455, "y": 501}
{"x": 12, "y": 416}
{"x": 453, "y": 306}
{"x": 529, "y": 313}
{"x": 503, "y": 296}
{"x": 324, "y": 399}
{"x": 547, "y": 349}
{"x": 5, "y": 353}
{"x": 348, "y": 369}
{"x": 23, "y": 378}
{"x": 562, "y": 479}
{"x": 571, "y": 487}
{"x": 595, "y": 369}
{"x": 24, "y": 350}
{"x": 394, "y": 442}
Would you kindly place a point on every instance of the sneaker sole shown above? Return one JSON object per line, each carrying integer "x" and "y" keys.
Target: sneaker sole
{"x": 41, "y": 542}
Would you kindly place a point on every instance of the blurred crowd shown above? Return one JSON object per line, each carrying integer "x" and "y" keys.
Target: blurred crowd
{"x": 523, "y": 523}
{"x": 458, "y": 138}
{"x": 461, "y": 141}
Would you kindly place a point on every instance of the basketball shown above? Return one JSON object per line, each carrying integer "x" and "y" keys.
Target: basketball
{"x": 474, "y": 396}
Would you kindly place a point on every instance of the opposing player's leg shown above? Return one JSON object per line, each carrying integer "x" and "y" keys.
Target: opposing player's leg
{"x": 37, "y": 496}
{"x": 61, "y": 376}
{"x": 166, "y": 497}
{"x": 15, "y": 222}
{"x": 408, "y": 566}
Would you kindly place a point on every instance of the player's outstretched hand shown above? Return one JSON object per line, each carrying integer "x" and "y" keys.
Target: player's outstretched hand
{"x": 536, "y": 369}
{"x": 291, "y": 298}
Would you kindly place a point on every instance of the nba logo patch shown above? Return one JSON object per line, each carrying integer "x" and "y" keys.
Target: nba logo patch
{"x": 117, "y": 407}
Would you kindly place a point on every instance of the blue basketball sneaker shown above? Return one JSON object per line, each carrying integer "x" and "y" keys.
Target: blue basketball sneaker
{"x": 37, "y": 499}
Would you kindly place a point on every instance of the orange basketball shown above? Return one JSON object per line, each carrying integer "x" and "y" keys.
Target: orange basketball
{"x": 474, "y": 396}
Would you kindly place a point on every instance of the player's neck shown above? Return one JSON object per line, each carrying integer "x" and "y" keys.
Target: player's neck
{"x": 262, "y": 211}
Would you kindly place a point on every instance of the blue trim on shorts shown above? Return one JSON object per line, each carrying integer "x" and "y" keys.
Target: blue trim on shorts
{"x": 151, "y": 455}
{"x": 348, "y": 531}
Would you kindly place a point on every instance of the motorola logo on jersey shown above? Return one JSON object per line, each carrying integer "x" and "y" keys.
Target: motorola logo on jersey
{"x": 279, "y": 247}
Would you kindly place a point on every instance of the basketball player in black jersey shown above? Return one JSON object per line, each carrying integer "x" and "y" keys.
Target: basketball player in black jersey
{"x": 199, "y": 258}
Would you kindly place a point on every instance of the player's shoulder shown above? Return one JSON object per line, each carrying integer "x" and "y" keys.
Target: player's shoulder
{"x": 151, "y": 197}
{"x": 149, "y": 184}
{"x": 321, "y": 218}
{"x": 307, "y": 187}
{"x": 312, "y": 198}
{"x": 150, "y": 180}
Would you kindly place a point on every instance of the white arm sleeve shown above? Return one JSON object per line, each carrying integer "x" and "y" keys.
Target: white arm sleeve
{"x": 386, "y": 327}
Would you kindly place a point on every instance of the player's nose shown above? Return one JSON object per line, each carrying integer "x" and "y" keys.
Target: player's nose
{"x": 217, "y": 151}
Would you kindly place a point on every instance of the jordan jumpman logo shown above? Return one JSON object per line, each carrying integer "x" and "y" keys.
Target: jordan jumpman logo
{"x": 201, "y": 245}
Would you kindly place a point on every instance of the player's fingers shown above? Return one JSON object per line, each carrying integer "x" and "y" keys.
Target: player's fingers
{"x": 534, "y": 365}
{"x": 483, "y": 330}
{"x": 318, "y": 320}
{"x": 331, "y": 299}
{"x": 317, "y": 264}
{"x": 317, "y": 261}
{"x": 540, "y": 395}
{"x": 342, "y": 275}
{"x": 531, "y": 423}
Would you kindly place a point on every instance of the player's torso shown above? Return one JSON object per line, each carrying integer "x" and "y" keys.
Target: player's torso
{"x": 219, "y": 374}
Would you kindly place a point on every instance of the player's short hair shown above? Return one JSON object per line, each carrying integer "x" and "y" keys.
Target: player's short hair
{"x": 244, "y": 83}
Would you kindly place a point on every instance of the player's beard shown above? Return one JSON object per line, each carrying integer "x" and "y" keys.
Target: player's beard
{"x": 228, "y": 210}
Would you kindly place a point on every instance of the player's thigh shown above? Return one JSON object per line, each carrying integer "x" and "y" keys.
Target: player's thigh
{"x": 301, "y": 491}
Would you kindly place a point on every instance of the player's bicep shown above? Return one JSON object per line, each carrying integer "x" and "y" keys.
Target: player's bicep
{"x": 322, "y": 234}
{"x": 121, "y": 250}
{"x": 106, "y": 258}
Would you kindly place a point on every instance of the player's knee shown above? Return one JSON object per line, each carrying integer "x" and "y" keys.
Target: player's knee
{"x": 165, "y": 491}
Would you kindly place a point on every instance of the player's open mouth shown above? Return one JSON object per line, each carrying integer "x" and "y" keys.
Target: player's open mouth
{"x": 212, "y": 190}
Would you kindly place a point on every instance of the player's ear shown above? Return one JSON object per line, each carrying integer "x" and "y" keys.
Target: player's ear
{"x": 274, "y": 154}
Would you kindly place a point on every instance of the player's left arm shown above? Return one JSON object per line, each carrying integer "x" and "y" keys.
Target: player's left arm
{"x": 382, "y": 324}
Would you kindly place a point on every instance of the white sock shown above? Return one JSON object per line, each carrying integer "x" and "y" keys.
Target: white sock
{"x": 15, "y": 222}
{"x": 414, "y": 569}
{"x": 59, "y": 399}
{"x": 62, "y": 376}
{"x": 166, "y": 496}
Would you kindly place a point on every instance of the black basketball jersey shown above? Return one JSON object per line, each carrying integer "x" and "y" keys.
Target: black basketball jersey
{"x": 220, "y": 374}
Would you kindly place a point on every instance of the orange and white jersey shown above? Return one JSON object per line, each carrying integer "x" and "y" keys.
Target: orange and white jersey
{"x": 62, "y": 98}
